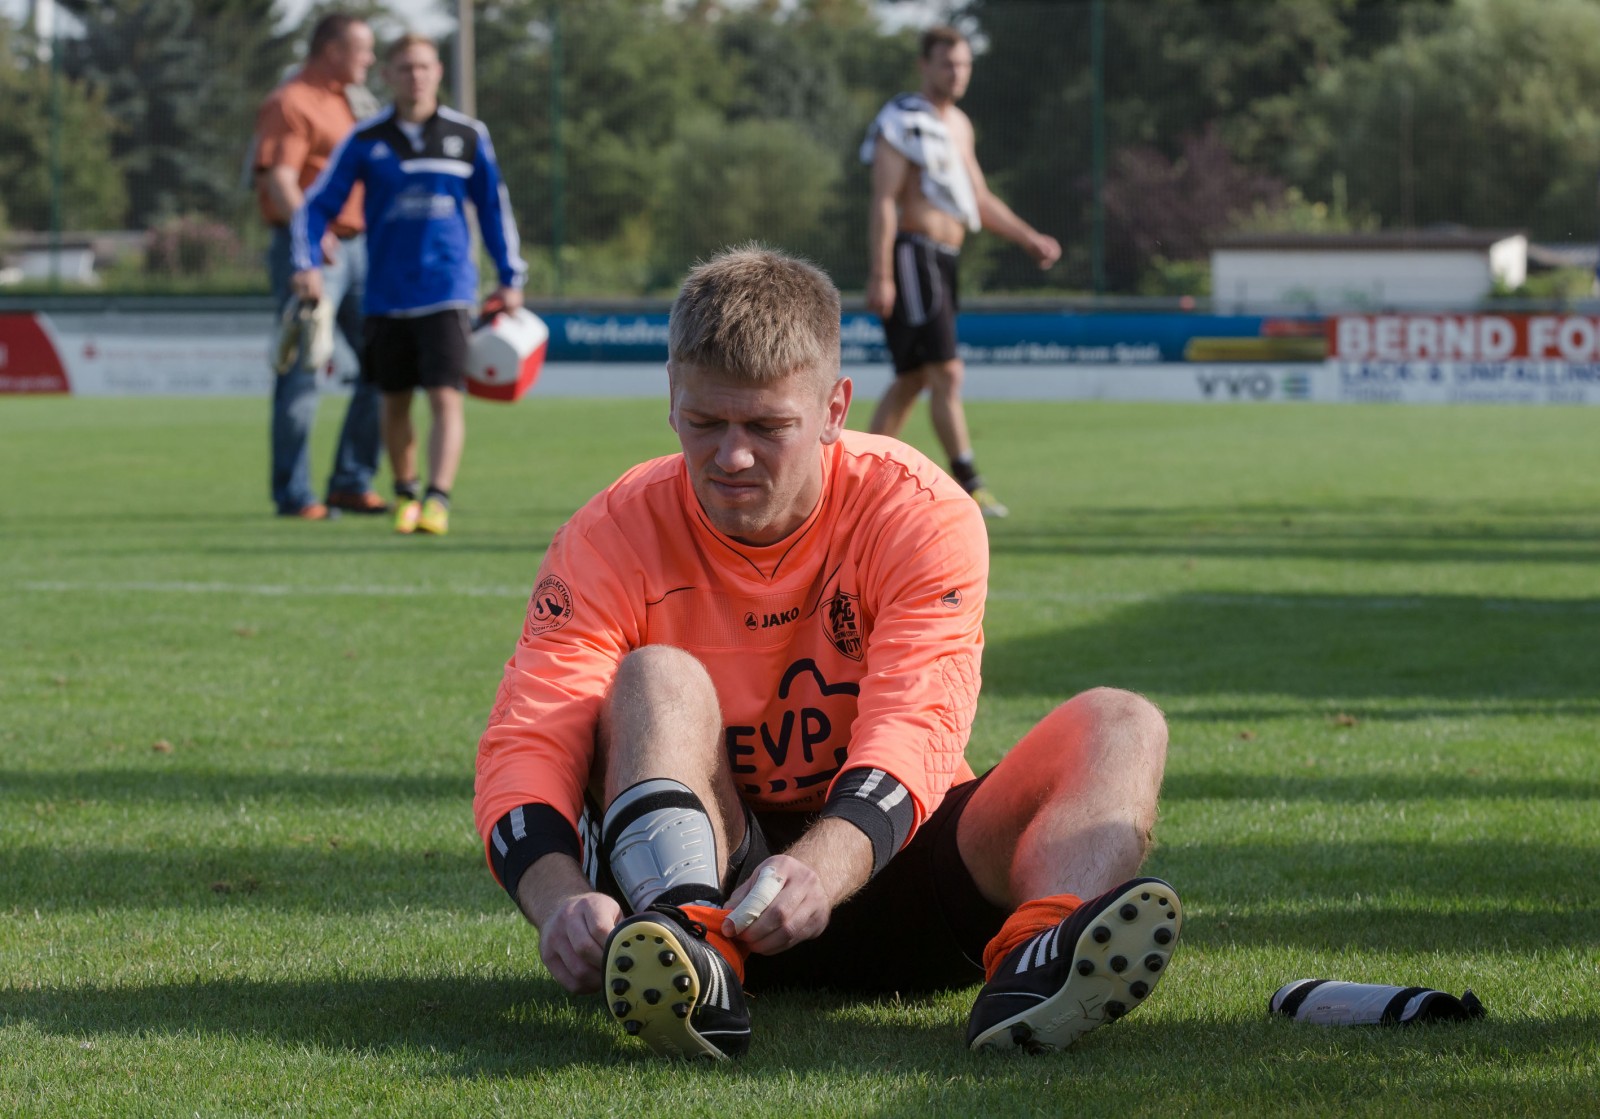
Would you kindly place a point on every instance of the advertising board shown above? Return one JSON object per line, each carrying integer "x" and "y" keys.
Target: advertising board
{"x": 1433, "y": 358}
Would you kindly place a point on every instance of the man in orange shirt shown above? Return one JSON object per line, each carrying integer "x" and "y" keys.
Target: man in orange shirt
{"x": 729, "y": 744}
{"x": 297, "y": 129}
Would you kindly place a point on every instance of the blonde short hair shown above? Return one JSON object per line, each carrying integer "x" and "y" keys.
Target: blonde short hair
{"x": 406, "y": 42}
{"x": 758, "y": 315}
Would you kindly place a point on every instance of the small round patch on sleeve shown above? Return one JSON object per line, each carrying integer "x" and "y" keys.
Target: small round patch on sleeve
{"x": 550, "y": 607}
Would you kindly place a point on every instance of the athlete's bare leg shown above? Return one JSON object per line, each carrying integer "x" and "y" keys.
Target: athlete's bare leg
{"x": 662, "y": 719}
{"x": 446, "y": 437}
{"x": 945, "y": 379}
{"x": 399, "y": 437}
{"x": 898, "y": 400}
{"x": 1071, "y": 807}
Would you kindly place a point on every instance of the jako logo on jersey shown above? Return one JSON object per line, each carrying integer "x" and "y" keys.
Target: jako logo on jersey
{"x": 550, "y": 606}
{"x": 380, "y": 150}
{"x": 767, "y": 621}
{"x": 842, "y": 621}
{"x": 452, "y": 146}
{"x": 951, "y": 599}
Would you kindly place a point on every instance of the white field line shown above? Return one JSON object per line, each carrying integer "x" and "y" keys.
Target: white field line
{"x": 276, "y": 590}
{"x": 1310, "y": 601}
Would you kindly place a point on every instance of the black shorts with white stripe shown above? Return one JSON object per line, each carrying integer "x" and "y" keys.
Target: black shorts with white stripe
{"x": 922, "y": 328}
{"x": 921, "y": 924}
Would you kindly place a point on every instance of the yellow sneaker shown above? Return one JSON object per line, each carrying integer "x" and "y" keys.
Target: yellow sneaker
{"x": 407, "y": 514}
{"x": 989, "y": 503}
{"x": 435, "y": 517}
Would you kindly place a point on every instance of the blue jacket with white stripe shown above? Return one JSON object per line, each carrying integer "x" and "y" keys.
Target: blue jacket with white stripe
{"x": 419, "y": 249}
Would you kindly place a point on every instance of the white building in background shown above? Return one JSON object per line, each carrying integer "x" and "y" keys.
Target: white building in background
{"x": 1398, "y": 269}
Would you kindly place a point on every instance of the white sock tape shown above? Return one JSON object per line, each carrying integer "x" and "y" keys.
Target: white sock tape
{"x": 762, "y": 891}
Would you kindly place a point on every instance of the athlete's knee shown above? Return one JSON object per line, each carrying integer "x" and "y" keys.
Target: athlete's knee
{"x": 664, "y": 672}
{"x": 909, "y": 384}
{"x": 945, "y": 378}
{"x": 1108, "y": 730}
{"x": 1125, "y": 710}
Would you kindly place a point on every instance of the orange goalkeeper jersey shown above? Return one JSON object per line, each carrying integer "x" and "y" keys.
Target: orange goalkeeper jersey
{"x": 853, "y": 642}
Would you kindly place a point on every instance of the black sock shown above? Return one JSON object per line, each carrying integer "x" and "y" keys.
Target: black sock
{"x": 405, "y": 491}
{"x": 441, "y": 496}
{"x": 965, "y": 471}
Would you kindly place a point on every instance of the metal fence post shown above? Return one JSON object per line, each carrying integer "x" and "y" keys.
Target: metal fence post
{"x": 558, "y": 155}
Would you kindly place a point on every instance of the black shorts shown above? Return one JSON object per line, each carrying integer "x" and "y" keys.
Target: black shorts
{"x": 921, "y": 329}
{"x": 920, "y": 925}
{"x": 399, "y": 354}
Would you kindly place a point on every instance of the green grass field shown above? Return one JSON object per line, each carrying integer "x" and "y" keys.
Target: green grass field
{"x": 237, "y": 868}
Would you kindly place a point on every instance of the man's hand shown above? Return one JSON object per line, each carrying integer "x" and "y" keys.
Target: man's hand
{"x": 1044, "y": 249}
{"x": 308, "y": 284}
{"x": 572, "y": 940}
{"x": 330, "y": 247}
{"x": 510, "y": 298}
{"x": 880, "y": 295}
{"x": 799, "y": 912}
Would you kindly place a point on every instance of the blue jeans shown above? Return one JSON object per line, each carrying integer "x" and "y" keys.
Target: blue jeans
{"x": 294, "y": 394}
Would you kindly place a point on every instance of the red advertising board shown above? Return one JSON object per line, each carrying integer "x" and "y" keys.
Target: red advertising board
{"x": 1464, "y": 338}
{"x": 28, "y": 358}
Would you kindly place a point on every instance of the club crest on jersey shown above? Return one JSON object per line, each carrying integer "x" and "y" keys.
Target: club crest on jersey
{"x": 550, "y": 607}
{"x": 452, "y": 146}
{"x": 842, "y": 620}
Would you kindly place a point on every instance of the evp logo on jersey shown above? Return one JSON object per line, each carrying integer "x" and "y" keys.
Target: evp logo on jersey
{"x": 841, "y": 619}
{"x": 550, "y": 607}
{"x": 796, "y": 738}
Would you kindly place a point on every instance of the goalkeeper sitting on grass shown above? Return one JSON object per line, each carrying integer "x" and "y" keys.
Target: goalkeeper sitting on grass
{"x": 728, "y": 748}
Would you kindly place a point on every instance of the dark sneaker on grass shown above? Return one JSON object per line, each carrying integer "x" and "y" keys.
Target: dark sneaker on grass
{"x": 672, "y": 990}
{"x": 368, "y": 502}
{"x": 1094, "y": 967}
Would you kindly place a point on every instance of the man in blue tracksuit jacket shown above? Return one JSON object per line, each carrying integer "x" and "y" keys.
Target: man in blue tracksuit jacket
{"x": 420, "y": 162}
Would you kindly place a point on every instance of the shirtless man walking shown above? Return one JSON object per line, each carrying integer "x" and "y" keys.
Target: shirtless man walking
{"x": 927, "y": 192}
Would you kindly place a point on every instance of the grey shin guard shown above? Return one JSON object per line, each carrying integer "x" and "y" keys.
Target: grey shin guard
{"x": 658, "y": 841}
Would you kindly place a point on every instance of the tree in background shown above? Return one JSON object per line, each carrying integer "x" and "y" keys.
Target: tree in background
{"x": 1161, "y": 210}
{"x": 771, "y": 180}
{"x": 92, "y": 194}
{"x": 1489, "y": 118}
{"x": 685, "y": 126}
{"x": 683, "y": 133}
{"x": 1176, "y": 72}
{"x": 182, "y": 79}
{"x": 629, "y": 74}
